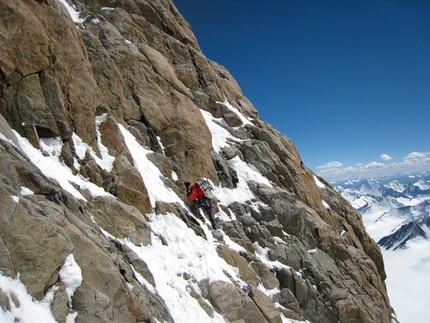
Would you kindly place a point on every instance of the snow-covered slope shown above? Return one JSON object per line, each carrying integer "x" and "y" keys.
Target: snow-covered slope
{"x": 175, "y": 248}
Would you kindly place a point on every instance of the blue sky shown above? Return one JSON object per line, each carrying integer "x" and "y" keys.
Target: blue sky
{"x": 347, "y": 81}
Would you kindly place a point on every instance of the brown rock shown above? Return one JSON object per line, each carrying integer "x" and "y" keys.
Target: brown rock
{"x": 233, "y": 258}
{"x": 234, "y": 304}
{"x": 287, "y": 299}
{"x": 59, "y": 306}
{"x": 121, "y": 220}
{"x": 32, "y": 242}
{"x": 266, "y": 305}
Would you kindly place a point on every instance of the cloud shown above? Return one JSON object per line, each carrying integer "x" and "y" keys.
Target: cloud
{"x": 374, "y": 165}
{"x": 415, "y": 155}
{"x": 386, "y": 157}
{"x": 416, "y": 159}
{"x": 414, "y": 162}
{"x": 334, "y": 164}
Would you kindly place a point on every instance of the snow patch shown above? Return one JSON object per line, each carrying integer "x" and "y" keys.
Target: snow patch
{"x": 71, "y": 275}
{"x": 26, "y": 191}
{"x": 220, "y": 136}
{"x": 74, "y": 14}
{"x": 26, "y": 309}
{"x": 244, "y": 120}
{"x": 51, "y": 146}
{"x": 150, "y": 174}
{"x": 160, "y": 143}
{"x": 318, "y": 182}
{"x": 53, "y": 168}
{"x": 106, "y": 160}
{"x": 174, "y": 176}
{"x": 242, "y": 193}
{"x": 326, "y": 205}
{"x": 3, "y": 137}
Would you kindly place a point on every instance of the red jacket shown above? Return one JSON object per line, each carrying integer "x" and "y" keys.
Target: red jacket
{"x": 195, "y": 193}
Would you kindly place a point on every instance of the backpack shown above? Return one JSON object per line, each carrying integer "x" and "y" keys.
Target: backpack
{"x": 206, "y": 185}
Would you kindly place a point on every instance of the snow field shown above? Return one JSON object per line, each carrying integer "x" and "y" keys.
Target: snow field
{"x": 408, "y": 279}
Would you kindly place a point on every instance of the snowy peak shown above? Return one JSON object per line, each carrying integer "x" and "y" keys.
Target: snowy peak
{"x": 370, "y": 187}
{"x": 397, "y": 186}
{"x": 409, "y": 230}
{"x": 403, "y": 199}
{"x": 400, "y": 186}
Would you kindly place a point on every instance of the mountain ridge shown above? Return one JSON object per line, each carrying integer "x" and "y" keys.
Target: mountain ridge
{"x": 405, "y": 197}
{"x": 102, "y": 120}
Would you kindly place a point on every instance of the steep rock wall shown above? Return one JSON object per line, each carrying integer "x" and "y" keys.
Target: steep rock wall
{"x": 136, "y": 65}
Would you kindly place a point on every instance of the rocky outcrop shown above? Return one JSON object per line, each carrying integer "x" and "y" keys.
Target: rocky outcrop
{"x": 134, "y": 68}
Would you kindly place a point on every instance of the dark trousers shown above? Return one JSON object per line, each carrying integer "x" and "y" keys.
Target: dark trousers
{"x": 206, "y": 205}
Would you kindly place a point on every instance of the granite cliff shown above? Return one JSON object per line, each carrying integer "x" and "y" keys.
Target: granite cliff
{"x": 122, "y": 69}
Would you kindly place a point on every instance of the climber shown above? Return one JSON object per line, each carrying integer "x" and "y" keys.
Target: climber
{"x": 198, "y": 193}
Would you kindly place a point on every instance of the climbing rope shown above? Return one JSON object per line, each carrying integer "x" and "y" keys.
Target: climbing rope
{"x": 208, "y": 287}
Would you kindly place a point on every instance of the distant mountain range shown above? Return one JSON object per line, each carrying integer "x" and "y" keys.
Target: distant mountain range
{"x": 395, "y": 209}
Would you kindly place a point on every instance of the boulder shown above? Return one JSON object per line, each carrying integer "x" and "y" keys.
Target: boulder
{"x": 266, "y": 305}
{"x": 286, "y": 299}
{"x": 233, "y": 258}
{"x": 31, "y": 241}
{"x": 233, "y": 303}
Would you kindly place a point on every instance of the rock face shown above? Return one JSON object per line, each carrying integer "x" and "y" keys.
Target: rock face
{"x": 136, "y": 65}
